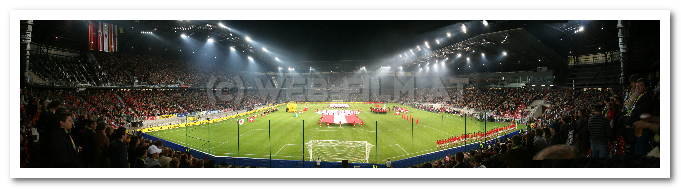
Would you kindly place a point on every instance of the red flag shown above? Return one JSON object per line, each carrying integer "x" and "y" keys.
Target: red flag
{"x": 251, "y": 119}
{"x": 417, "y": 120}
{"x": 377, "y": 105}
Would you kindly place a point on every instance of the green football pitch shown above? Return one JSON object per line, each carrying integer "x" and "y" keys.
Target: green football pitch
{"x": 284, "y": 136}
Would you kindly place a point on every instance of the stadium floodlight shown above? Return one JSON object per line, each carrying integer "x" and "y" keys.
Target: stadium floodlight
{"x": 437, "y": 41}
{"x": 426, "y": 43}
{"x": 210, "y": 40}
{"x": 364, "y": 68}
{"x": 183, "y": 35}
{"x": 231, "y": 48}
{"x": 311, "y": 68}
{"x": 400, "y": 67}
{"x": 449, "y": 34}
{"x": 551, "y": 85}
{"x": 543, "y": 85}
{"x": 463, "y": 28}
{"x": 458, "y": 55}
{"x": 443, "y": 63}
{"x": 484, "y": 22}
{"x": 412, "y": 52}
{"x": 250, "y": 58}
{"x": 467, "y": 58}
{"x": 400, "y": 56}
{"x": 280, "y": 68}
{"x": 248, "y": 39}
{"x": 483, "y": 54}
{"x": 276, "y": 58}
{"x": 539, "y": 60}
{"x": 581, "y": 28}
{"x": 504, "y": 53}
{"x": 290, "y": 69}
{"x": 264, "y": 49}
{"x": 533, "y": 85}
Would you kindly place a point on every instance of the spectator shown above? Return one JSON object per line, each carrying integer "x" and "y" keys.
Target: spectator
{"x": 118, "y": 153}
{"x": 101, "y": 147}
{"x": 152, "y": 159}
{"x": 600, "y": 130}
{"x": 63, "y": 151}
{"x": 109, "y": 131}
{"x": 141, "y": 152}
{"x": 209, "y": 164}
{"x": 555, "y": 137}
{"x": 477, "y": 161}
{"x": 459, "y": 161}
{"x": 539, "y": 141}
{"x": 388, "y": 164}
{"x": 515, "y": 157}
{"x": 132, "y": 146}
{"x": 644, "y": 104}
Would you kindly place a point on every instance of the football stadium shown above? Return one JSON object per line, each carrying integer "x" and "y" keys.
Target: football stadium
{"x": 340, "y": 94}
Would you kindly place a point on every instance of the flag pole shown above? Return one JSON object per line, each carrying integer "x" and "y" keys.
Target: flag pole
{"x": 269, "y": 138}
{"x": 303, "y": 144}
{"x": 465, "y": 135}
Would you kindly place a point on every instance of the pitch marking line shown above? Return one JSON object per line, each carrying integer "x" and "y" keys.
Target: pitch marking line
{"x": 402, "y": 148}
{"x": 281, "y": 148}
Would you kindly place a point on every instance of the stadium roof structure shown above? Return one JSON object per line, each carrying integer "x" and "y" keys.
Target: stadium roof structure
{"x": 526, "y": 42}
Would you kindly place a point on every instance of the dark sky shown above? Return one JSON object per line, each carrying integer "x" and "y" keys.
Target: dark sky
{"x": 340, "y": 40}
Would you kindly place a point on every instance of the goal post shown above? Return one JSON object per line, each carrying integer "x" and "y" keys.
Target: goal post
{"x": 338, "y": 150}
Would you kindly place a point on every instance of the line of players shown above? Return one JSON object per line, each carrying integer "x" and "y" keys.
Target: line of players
{"x": 473, "y": 137}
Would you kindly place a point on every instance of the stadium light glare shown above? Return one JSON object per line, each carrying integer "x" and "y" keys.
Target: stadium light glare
{"x": 459, "y": 55}
{"x": 437, "y": 41}
{"x": 311, "y": 68}
{"x": 183, "y": 35}
{"x": 210, "y": 40}
{"x": 250, "y": 58}
{"x": 290, "y": 69}
{"x": 483, "y": 54}
{"x": 504, "y": 53}
{"x": 400, "y": 56}
{"x": 280, "y": 68}
{"x": 231, "y": 48}
{"x": 276, "y": 58}
{"x": 484, "y": 22}
{"x": 400, "y": 67}
{"x": 581, "y": 28}
{"x": 467, "y": 58}
{"x": 449, "y": 34}
{"x": 264, "y": 49}
{"x": 463, "y": 28}
{"x": 248, "y": 39}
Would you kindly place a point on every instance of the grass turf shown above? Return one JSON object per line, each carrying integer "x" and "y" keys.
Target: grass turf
{"x": 281, "y": 135}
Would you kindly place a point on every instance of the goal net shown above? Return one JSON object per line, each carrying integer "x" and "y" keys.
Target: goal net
{"x": 337, "y": 150}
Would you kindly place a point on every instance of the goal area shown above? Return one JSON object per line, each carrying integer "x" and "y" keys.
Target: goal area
{"x": 338, "y": 150}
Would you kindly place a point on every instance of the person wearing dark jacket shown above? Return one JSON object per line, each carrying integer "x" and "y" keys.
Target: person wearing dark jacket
{"x": 459, "y": 161}
{"x": 88, "y": 146}
{"x": 141, "y": 152}
{"x": 100, "y": 147}
{"x": 555, "y": 136}
{"x": 644, "y": 105}
{"x": 118, "y": 154}
{"x": 599, "y": 127}
{"x": 63, "y": 150}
